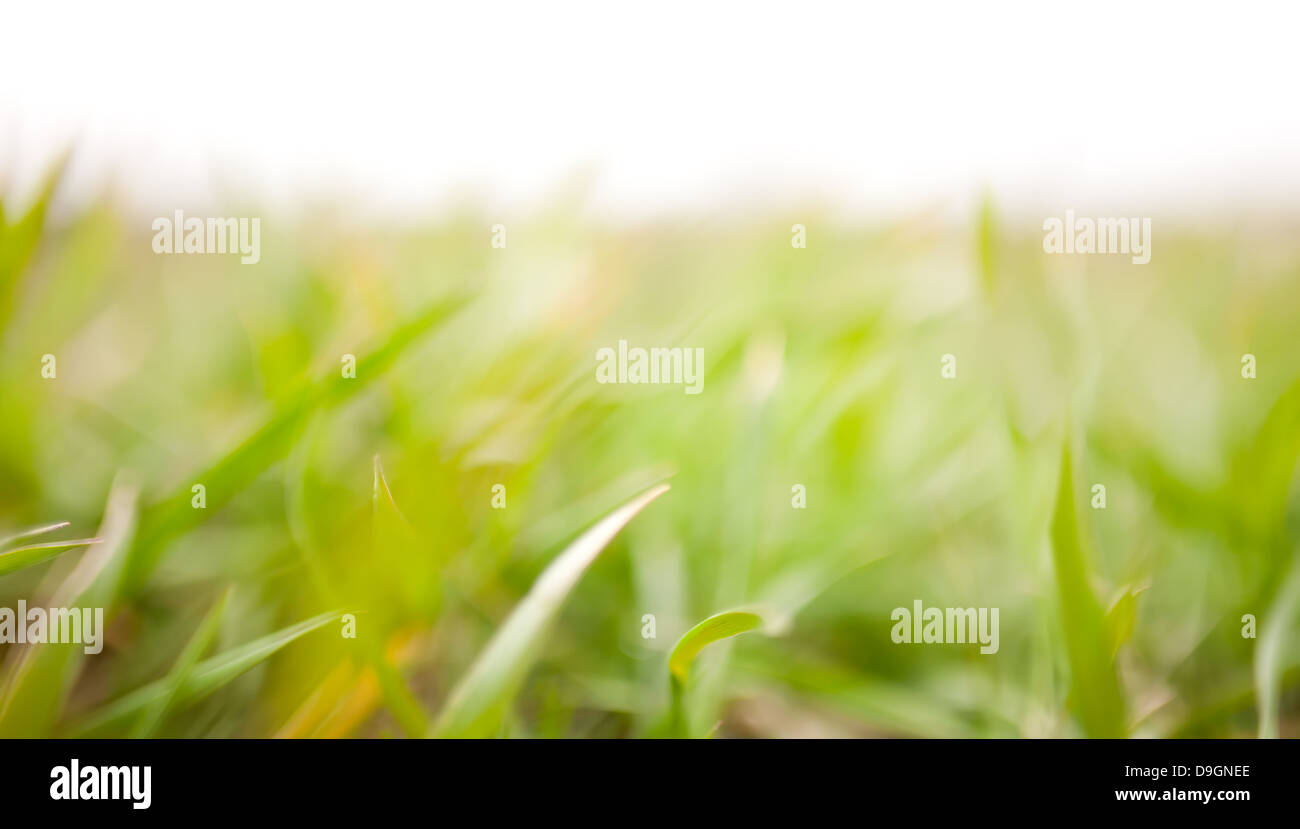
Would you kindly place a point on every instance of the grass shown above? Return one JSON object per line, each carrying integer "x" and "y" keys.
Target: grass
{"x": 475, "y": 368}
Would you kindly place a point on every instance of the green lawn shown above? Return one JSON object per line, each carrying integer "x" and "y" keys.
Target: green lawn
{"x": 331, "y": 501}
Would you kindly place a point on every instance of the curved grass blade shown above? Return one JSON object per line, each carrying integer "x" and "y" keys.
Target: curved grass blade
{"x": 719, "y": 626}
{"x": 180, "y": 673}
{"x": 477, "y": 706}
{"x": 379, "y": 483}
{"x": 207, "y": 676}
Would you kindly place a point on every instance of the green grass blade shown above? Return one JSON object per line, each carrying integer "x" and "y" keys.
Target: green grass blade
{"x": 35, "y": 531}
{"x": 20, "y": 557}
{"x": 410, "y": 715}
{"x": 18, "y": 241}
{"x": 477, "y": 706}
{"x": 1094, "y": 685}
{"x": 37, "y": 677}
{"x": 207, "y": 677}
{"x": 1121, "y": 619}
{"x": 720, "y": 626}
{"x": 184, "y": 667}
{"x": 401, "y": 702}
{"x": 243, "y": 465}
{"x": 1271, "y": 653}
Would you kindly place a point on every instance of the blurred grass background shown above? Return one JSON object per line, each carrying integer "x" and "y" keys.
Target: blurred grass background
{"x": 476, "y": 367}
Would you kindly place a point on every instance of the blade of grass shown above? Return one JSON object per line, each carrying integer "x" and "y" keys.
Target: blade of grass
{"x": 35, "y": 531}
{"x": 719, "y": 626}
{"x": 1270, "y": 653}
{"x": 20, "y": 557}
{"x": 18, "y": 241}
{"x": 477, "y": 706}
{"x": 1094, "y": 685}
{"x": 1121, "y": 619}
{"x": 397, "y": 696}
{"x": 206, "y": 677}
{"x": 180, "y": 673}
{"x": 38, "y": 676}
{"x": 406, "y": 709}
{"x": 173, "y": 516}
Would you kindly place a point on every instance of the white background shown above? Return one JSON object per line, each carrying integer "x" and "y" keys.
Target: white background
{"x": 404, "y": 110}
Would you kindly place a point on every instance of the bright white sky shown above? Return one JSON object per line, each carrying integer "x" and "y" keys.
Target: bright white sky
{"x": 665, "y": 106}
